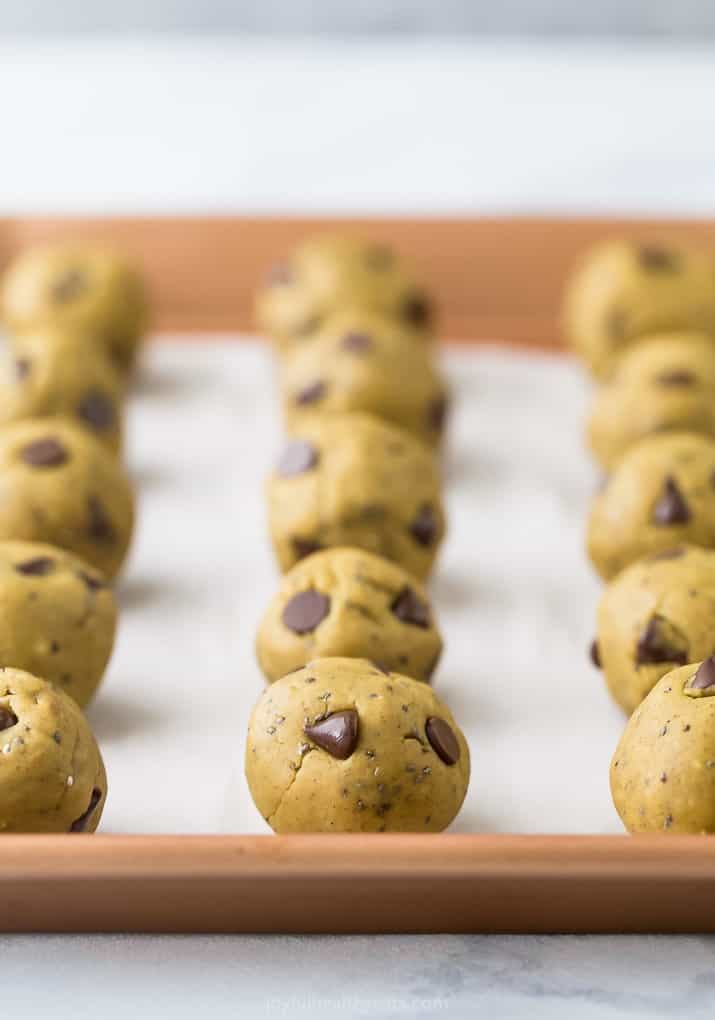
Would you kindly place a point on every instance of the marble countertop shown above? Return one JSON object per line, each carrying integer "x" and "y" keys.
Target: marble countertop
{"x": 218, "y": 126}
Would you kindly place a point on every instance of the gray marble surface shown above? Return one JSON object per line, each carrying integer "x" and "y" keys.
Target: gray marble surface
{"x": 308, "y": 978}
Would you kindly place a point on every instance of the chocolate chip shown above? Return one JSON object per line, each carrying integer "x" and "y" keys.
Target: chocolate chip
{"x": 80, "y": 824}
{"x": 653, "y": 646}
{"x": 298, "y": 457}
{"x": 303, "y": 547}
{"x": 97, "y": 410}
{"x": 442, "y": 738}
{"x": 657, "y": 259}
{"x": 379, "y": 257}
{"x": 93, "y": 583}
{"x": 280, "y": 274}
{"x": 424, "y": 527}
{"x": 7, "y": 718}
{"x": 595, "y": 654}
{"x": 667, "y": 554}
{"x": 100, "y": 526}
{"x": 22, "y": 368}
{"x": 37, "y": 567}
{"x": 417, "y": 310}
{"x": 305, "y": 611}
{"x": 356, "y": 343}
{"x": 616, "y": 324}
{"x": 336, "y": 733}
{"x": 68, "y": 286}
{"x": 704, "y": 677}
{"x": 676, "y": 378}
{"x": 437, "y": 414}
{"x": 408, "y": 608}
{"x": 671, "y": 507}
{"x": 44, "y": 453}
{"x": 311, "y": 394}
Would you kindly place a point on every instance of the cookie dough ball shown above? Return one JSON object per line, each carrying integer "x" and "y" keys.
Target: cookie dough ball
{"x": 657, "y": 614}
{"x": 58, "y": 617}
{"x": 352, "y": 480}
{"x": 346, "y": 602}
{"x": 59, "y": 485}
{"x": 45, "y": 375}
{"x": 327, "y": 273}
{"x": 661, "y": 494}
{"x": 361, "y": 362}
{"x": 341, "y": 746}
{"x": 663, "y": 771}
{"x": 52, "y": 777}
{"x": 623, "y": 291}
{"x": 664, "y": 384}
{"x": 80, "y": 288}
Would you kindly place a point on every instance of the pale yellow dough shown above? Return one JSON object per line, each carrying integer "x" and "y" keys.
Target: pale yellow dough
{"x": 622, "y": 291}
{"x": 391, "y": 776}
{"x": 52, "y": 777}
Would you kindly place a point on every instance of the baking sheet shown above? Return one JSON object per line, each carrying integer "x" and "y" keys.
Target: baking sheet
{"x": 513, "y": 590}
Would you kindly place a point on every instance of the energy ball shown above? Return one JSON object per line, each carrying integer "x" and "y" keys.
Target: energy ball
{"x": 58, "y": 617}
{"x": 657, "y": 614}
{"x": 327, "y": 273}
{"x": 623, "y": 291}
{"x": 60, "y": 486}
{"x": 78, "y": 288}
{"x": 352, "y": 480}
{"x": 347, "y": 602}
{"x": 342, "y": 746}
{"x": 661, "y": 494}
{"x": 663, "y": 771}
{"x": 664, "y": 384}
{"x": 45, "y": 375}
{"x": 361, "y": 362}
{"x": 52, "y": 777}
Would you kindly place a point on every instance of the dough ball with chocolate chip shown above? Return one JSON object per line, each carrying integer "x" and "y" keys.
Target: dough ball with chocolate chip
{"x": 663, "y": 384}
{"x": 623, "y": 291}
{"x": 52, "y": 777}
{"x": 661, "y": 494}
{"x": 77, "y": 288}
{"x": 352, "y": 480}
{"x": 61, "y": 486}
{"x": 44, "y": 374}
{"x": 663, "y": 771}
{"x": 58, "y": 617}
{"x": 327, "y": 273}
{"x": 342, "y": 746}
{"x": 347, "y": 602}
{"x": 657, "y": 614}
{"x": 362, "y": 362}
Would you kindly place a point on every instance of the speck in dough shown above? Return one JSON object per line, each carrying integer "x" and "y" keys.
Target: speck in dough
{"x": 343, "y": 746}
{"x": 347, "y": 602}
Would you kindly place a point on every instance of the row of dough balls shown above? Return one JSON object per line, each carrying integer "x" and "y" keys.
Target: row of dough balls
{"x": 643, "y": 319}
{"x": 349, "y": 736}
{"x": 72, "y": 321}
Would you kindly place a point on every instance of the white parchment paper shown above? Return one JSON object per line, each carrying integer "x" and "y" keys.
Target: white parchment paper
{"x": 514, "y": 593}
